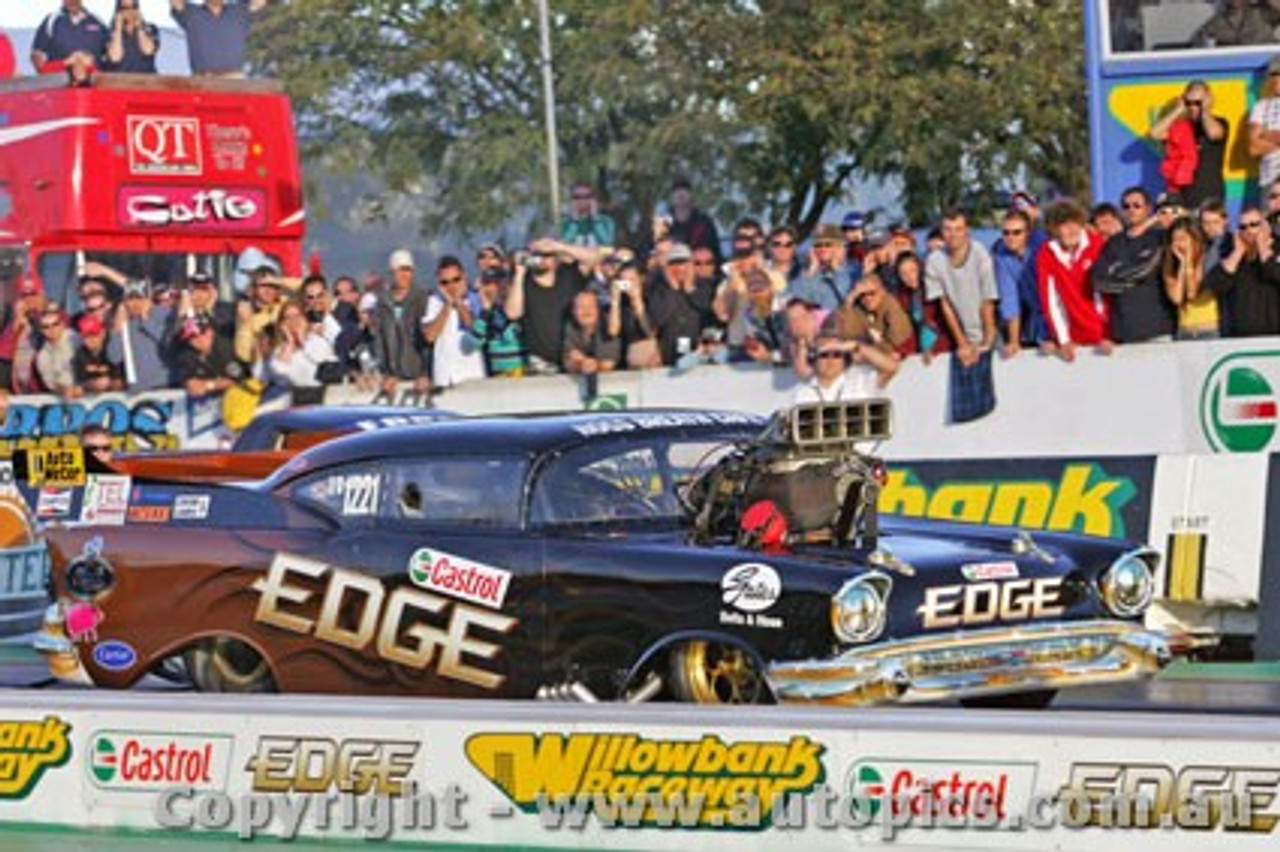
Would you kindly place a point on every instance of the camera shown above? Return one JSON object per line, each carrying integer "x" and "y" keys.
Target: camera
{"x": 712, "y": 335}
{"x": 314, "y": 316}
{"x": 624, "y": 285}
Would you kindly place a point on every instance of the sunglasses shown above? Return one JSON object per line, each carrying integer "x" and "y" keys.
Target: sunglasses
{"x": 1013, "y": 232}
{"x": 50, "y": 323}
{"x": 1134, "y": 205}
{"x": 1252, "y": 225}
{"x": 1193, "y": 103}
{"x": 313, "y": 297}
{"x": 830, "y": 353}
{"x": 782, "y": 244}
{"x": 578, "y": 196}
{"x": 97, "y": 448}
{"x": 457, "y": 279}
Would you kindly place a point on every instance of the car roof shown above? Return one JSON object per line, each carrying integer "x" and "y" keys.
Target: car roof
{"x": 327, "y": 418}
{"x": 524, "y": 435}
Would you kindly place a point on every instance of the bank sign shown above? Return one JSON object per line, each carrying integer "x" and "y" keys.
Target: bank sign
{"x": 1238, "y": 403}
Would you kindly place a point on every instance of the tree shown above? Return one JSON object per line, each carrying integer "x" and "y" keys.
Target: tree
{"x": 771, "y": 106}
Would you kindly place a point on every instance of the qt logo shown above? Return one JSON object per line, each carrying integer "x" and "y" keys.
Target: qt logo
{"x": 1238, "y": 410}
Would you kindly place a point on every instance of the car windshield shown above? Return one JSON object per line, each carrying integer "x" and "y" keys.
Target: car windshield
{"x": 629, "y": 480}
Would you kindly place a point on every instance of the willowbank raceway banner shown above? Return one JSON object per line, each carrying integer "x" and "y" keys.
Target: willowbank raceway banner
{"x": 535, "y": 775}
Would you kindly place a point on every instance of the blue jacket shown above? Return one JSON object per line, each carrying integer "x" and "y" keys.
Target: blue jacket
{"x": 1019, "y": 293}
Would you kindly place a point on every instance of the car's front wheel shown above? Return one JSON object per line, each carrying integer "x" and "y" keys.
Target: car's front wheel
{"x": 224, "y": 664}
{"x": 705, "y": 672}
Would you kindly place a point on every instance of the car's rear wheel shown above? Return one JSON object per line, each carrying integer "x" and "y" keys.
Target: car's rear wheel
{"x": 1036, "y": 699}
{"x": 704, "y": 672}
{"x": 224, "y": 664}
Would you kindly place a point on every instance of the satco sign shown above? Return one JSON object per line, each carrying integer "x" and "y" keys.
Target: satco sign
{"x": 193, "y": 208}
{"x": 164, "y": 145}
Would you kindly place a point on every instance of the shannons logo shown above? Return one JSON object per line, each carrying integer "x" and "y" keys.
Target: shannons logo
{"x": 1238, "y": 407}
{"x": 27, "y": 750}
{"x": 626, "y": 766}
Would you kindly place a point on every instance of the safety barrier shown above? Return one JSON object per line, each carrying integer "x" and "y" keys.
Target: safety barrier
{"x": 556, "y": 776}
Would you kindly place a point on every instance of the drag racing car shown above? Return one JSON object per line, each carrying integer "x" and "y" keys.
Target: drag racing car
{"x": 692, "y": 556}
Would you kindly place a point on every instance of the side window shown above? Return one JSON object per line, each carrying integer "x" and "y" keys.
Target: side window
{"x": 353, "y": 492}
{"x": 600, "y": 484}
{"x": 466, "y": 492}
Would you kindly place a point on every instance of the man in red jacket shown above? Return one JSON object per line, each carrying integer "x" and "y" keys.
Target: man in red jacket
{"x": 1076, "y": 315}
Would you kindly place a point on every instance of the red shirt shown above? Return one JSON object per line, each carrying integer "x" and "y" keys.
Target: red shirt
{"x": 1074, "y": 313}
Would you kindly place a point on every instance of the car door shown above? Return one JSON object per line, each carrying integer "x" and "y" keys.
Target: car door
{"x": 437, "y": 588}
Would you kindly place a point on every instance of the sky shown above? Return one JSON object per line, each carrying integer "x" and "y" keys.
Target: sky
{"x": 23, "y": 14}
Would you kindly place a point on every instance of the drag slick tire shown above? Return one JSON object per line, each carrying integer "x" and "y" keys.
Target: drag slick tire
{"x": 705, "y": 672}
{"x": 224, "y": 664}
{"x": 1036, "y": 699}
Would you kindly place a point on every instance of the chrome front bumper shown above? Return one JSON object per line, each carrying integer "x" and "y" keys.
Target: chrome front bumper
{"x": 975, "y": 663}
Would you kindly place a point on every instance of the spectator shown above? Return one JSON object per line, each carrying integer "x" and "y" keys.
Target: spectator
{"x": 455, "y": 357}
{"x": 396, "y": 328}
{"x": 1169, "y": 209}
{"x": 257, "y": 310}
{"x": 962, "y": 280}
{"x": 1014, "y": 256}
{"x": 541, "y": 297}
{"x": 678, "y": 307}
{"x": 163, "y": 295}
{"x": 1192, "y": 117}
{"x": 829, "y": 279}
{"x": 28, "y": 338}
{"x": 1022, "y": 201}
{"x": 200, "y": 299}
{"x": 346, "y": 298}
{"x": 491, "y": 256}
{"x": 205, "y": 362}
{"x": 926, "y": 322}
{"x": 1128, "y": 270}
{"x": 1183, "y": 271}
{"x": 588, "y": 348}
{"x": 1264, "y": 127}
{"x": 1075, "y": 314}
{"x": 689, "y": 225}
{"x": 95, "y": 371}
{"x": 344, "y": 310}
{"x": 216, "y": 33}
{"x": 71, "y": 39}
{"x": 1217, "y": 234}
{"x": 900, "y": 241}
{"x": 362, "y": 357}
{"x": 802, "y": 326}
{"x": 495, "y": 333}
{"x": 134, "y": 42}
{"x": 629, "y": 317}
{"x": 315, "y": 303}
{"x": 299, "y": 350}
{"x": 56, "y": 359}
{"x": 707, "y": 274}
{"x": 761, "y": 327}
{"x": 784, "y": 259}
{"x": 1105, "y": 219}
{"x": 143, "y": 341}
{"x": 845, "y": 370}
{"x": 1237, "y": 23}
{"x": 96, "y": 441}
{"x": 873, "y": 317}
{"x": 933, "y": 241}
{"x": 1248, "y": 279}
{"x": 586, "y": 225}
{"x": 100, "y": 288}
{"x": 854, "y": 228}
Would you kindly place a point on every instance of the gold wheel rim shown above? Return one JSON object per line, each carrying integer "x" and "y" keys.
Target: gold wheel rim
{"x": 719, "y": 674}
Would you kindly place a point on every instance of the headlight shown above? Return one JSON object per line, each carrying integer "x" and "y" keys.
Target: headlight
{"x": 1128, "y": 585}
{"x": 89, "y": 577}
{"x": 859, "y": 609}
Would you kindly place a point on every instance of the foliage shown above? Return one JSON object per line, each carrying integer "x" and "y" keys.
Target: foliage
{"x": 771, "y": 106}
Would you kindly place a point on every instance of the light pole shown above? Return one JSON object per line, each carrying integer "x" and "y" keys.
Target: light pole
{"x": 549, "y": 99}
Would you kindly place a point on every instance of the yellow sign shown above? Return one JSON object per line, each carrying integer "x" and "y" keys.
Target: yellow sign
{"x": 56, "y": 467}
{"x": 27, "y": 749}
{"x": 609, "y": 771}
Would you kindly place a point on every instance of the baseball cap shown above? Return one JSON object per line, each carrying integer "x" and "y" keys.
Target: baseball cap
{"x": 368, "y": 302}
{"x": 137, "y": 287}
{"x": 400, "y": 259}
{"x": 829, "y": 234}
{"x": 1022, "y": 199}
{"x": 89, "y": 324}
{"x": 1169, "y": 199}
{"x": 251, "y": 260}
{"x": 877, "y": 237}
{"x": 200, "y": 279}
{"x": 679, "y": 253}
{"x": 853, "y": 219}
{"x": 493, "y": 249}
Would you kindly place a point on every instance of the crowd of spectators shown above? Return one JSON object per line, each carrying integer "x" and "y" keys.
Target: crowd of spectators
{"x": 75, "y": 41}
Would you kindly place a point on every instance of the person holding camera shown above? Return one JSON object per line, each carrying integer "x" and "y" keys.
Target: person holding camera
{"x": 455, "y": 357}
{"x": 871, "y": 314}
{"x": 1248, "y": 279}
{"x": 143, "y": 339}
{"x": 628, "y": 314}
{"x": 844, "y": 370}
{"x": 541, "y": 296}
{"x": 588, "y": 347}
{"x": 299, "y": 350}
{"x": 493, "y": 331}
{"x": 134, "y": 42}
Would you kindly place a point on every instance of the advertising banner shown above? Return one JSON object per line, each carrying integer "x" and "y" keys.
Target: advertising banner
{"x": 462, "y": 774}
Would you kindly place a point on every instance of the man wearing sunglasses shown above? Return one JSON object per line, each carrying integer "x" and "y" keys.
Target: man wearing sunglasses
{"x": 1193, "y": 121}
{"x": 1019, "y": 310}
{"x": 134, "y": 42}
{"x": 54, "y": 361}
{"x": 1128, "y": 270}
{"x": 217, "y": 31}
{"x": 1248, "y": 279}
{"x": 454, "y": 354}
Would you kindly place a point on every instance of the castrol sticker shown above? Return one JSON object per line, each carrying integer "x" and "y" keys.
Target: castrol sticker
{"x": 459, "y": 578}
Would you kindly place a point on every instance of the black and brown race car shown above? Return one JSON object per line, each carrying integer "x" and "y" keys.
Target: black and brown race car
{"x": 697, "y": 556}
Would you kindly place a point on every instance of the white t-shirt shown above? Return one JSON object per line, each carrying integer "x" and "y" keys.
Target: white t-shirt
{"x": 967, "y": 287}
{"x": 455, "y": 356}
{"x": 857, "y": 382}
{"x": 1266, "y": 113}
{"x": 299, "y": 369}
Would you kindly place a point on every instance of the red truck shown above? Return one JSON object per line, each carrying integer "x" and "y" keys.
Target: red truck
{"x": 155, "y": 176}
